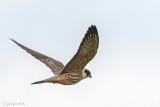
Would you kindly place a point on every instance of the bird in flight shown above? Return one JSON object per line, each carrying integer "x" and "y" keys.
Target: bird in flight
{"x": 74, "y": 71}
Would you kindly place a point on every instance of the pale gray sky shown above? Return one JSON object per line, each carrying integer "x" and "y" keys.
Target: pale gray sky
{"x": 125, "y": 71}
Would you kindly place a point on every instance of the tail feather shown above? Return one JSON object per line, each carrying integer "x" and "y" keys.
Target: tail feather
{"x": 39, "y": 82}
{"x": 49, "y": 80}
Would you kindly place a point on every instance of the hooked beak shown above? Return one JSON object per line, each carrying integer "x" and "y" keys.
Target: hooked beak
{"x": 90, "y": 76}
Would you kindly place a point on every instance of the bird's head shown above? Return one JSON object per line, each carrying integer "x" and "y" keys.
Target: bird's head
{"x": 87, "y": 73}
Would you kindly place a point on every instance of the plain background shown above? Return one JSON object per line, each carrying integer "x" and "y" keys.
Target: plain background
{"x": 125, "y": 71}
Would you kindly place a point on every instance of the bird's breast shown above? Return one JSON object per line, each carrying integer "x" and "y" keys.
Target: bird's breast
{"x": 69, "y": 79}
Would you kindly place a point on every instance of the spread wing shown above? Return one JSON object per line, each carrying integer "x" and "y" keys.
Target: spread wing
{"x": 86, "y": 52}
{"x": 53, "y": 64}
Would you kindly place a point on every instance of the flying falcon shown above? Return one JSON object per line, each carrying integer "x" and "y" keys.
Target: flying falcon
{"x": 74, "y": 71}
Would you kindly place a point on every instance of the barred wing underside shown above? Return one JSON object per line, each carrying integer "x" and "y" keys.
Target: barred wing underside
{"x": 86, "y": 52}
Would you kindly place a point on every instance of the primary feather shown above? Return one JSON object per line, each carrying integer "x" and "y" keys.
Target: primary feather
{"x": 86, "y": 52}
{"x": 53, "y": 64}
